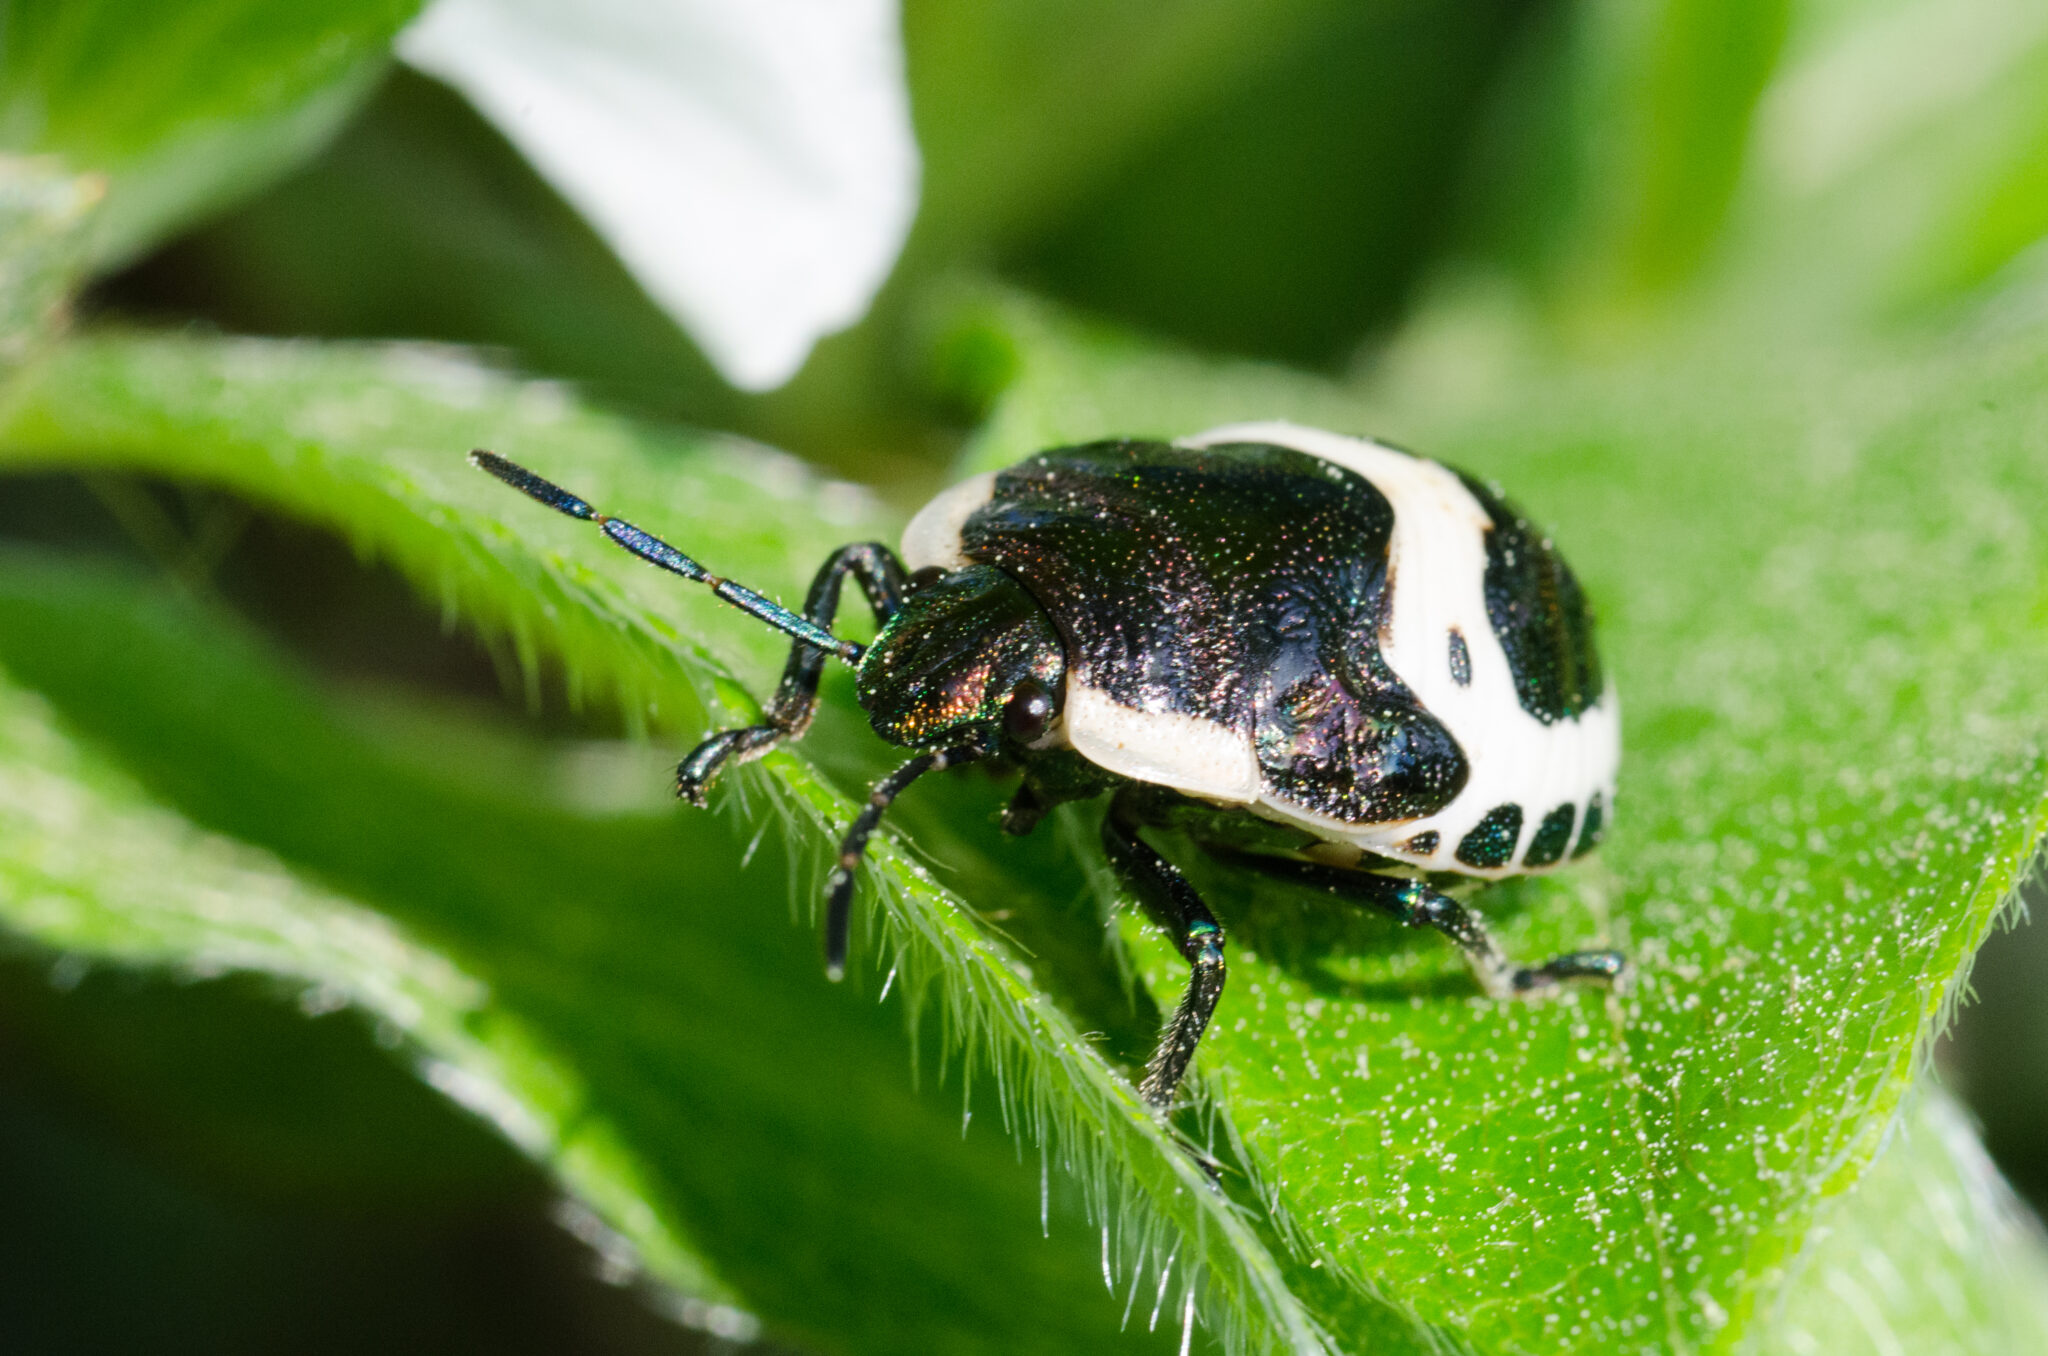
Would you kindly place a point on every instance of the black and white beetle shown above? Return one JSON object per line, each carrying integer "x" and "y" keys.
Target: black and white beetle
{"x": 1326, "y": 658}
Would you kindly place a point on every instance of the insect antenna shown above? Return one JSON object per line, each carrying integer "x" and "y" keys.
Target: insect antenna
{"x": 655, "y": 551}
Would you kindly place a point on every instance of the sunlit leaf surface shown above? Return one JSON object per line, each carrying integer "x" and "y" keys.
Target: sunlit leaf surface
{"x": 1814, "y": 550}
{"x": 1822, "y": 593}
{"x": 381, "y": 464}
{"x": 1833, "y": 774}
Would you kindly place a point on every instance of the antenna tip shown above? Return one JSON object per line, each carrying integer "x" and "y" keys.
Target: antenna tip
{"x": 491, "y": 463}
{"x": 526, "y": 482}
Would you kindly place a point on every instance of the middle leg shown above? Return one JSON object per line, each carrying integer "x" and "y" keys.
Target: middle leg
{"x": 1172, "y": 902}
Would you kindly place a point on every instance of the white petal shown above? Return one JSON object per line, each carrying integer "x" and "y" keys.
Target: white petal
{"x": 751, "y": 161}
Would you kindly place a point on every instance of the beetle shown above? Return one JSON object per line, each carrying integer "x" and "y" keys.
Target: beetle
{"x": 1323, "y": 657}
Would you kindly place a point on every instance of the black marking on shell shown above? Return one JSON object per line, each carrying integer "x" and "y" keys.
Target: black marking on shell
{"x": 1589, "y": 832}
{"x": 1552, "y": 836}
{"x": 1492, "y": 840}
{"x": 1539, "y": 613}
{"x": 1422, "y": 844}
{"x": 1244, "y": 584}
{"x": 1461, "y": 659}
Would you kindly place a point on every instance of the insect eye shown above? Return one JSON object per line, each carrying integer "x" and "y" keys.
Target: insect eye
{"x": 1028, "y": 713}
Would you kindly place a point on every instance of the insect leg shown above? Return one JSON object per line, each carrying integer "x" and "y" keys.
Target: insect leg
{"x": 1167, "y": 896}
{"x": 879, "y": 574}
{"x": 1024, "y": 812}
{"x": 839, "y": 885}
{"x": 1419, "y": 906}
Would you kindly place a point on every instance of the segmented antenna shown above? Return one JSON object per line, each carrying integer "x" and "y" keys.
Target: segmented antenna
{"x": 655, "y": 551}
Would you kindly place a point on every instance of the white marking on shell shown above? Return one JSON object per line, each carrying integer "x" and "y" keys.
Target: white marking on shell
{"x": 1166, "y": 748}
{"x": 1185, "y": 752}
{"x": 933, "y": 536}
{"x": 1437, "y": 565}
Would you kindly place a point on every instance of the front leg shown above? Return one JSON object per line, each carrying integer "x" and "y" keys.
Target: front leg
{"x": 1172, "y": 902}
{"x": 880, "y": 575}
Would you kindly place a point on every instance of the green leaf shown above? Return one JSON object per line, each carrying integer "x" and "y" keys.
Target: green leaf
{"x": 1825, "y": 607}
{"x": 1610, "y": 165}
{"x": 1020, "y": 108}
{"x": 1898, "y": 157}
{"x": 45, "y": 219}
{"x": 92, "y": 865}
{"x": 1305, "y": 193}
{"x": 607, "y": 989}
{"x": 276, "y": 1087}
{"x": 419, "y": 219}
{"x": 1956, "y": 1263}
{"x": 1817, "y": 161}
{"x": 368, "y": 442}
{"x": 1823, "y": 595}
{"x": 187, "y": 103}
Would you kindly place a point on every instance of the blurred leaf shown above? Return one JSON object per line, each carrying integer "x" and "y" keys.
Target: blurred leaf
{"x": 1288, "y": 213}
{"x": 182, "y": 104}
{"x": 1614, "y": 154}
{"x": 278, "y": 1088}
{"x": 1822, "y": 588}
{"x": 1930, "y": 1252}
{"x": 1899, "y": 157}
{"x": 1023, "y": 106}
{"x": 45, "y": 216}
{"x": 1039, "y": 130}
{"x": 364, "y": 441}
{"x": 1811, "y": 161}
{"x": 92, "y": 866}
{"x": 201, "y": 1167}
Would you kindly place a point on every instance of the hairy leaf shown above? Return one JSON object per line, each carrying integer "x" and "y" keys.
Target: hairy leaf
{"x": 1799, "y": 877}
{"x": 1821, "y": 591}
{"x": 368, "y": 442}
{"x": 607, "y": 989}
{"x": 1930, "y": 1252}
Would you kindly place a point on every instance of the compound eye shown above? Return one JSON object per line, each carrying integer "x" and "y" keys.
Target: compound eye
{"x": 1028, "y": 713}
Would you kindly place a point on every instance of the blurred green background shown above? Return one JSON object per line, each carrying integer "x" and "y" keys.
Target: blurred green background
{"x": 195, "y": 1159}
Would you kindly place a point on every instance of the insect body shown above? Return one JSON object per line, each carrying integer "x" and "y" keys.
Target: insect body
{"x": 1333, "y": 661}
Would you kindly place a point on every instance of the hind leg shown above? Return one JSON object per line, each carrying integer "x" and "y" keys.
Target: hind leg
{"x": 1417, "y": 905}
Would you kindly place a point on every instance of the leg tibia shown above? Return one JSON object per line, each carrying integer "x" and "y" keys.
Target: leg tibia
{"x": 1173, "y": 903}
